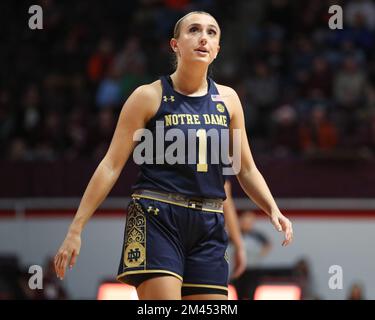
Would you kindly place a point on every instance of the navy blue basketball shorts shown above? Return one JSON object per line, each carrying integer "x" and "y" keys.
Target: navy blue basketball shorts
{"x": 164, "y": 239}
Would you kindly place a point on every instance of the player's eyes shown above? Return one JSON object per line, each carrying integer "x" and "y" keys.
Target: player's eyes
{"x": 211, "y": 32}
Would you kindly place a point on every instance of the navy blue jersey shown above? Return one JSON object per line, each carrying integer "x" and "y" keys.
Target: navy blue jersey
{"x": 199, "y": 172}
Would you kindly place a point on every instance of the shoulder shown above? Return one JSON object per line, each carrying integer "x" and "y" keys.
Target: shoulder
{"x": 230, "y": 98}
{"x": 150, "y": 92}
{"x": 145, "y": 99}
{"x": 225, "y": 89}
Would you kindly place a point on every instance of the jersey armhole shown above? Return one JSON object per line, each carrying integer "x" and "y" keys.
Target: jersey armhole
{"x": 159, "y": 108}
{"x": 224, "y": 102}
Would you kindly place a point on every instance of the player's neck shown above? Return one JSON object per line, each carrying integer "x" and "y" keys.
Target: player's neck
{"x": 189, "y": 82}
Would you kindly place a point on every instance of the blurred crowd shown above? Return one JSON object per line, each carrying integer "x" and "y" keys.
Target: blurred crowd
{"x": 306, "y": 90}
{"x": 259, "y": 272}
{"x": 19, "y": 283}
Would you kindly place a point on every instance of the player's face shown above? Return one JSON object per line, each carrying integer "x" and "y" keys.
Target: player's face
{"x": 199, "y": 39}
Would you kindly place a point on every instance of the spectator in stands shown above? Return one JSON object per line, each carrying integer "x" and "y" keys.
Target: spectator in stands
{"x": 29, "y": 117}
{"x": 100, "y": 60}
{"x": 109, "y": 94}
{"x": 53, "y": 131}
{"x": 18, "y": 150}
{"x": 349, "y": 84}
{"x": 356, "y": 292}
{"x": 367, "y": 134}
{"x": 7, "y": 119}
{"x": 319, "y": 134}
{"x": 294, "y": 57}
{"x": 303, "y": 53}
{"x": 132, "y": 53}
{"x": 135, "y": 76}
{"x": 263, "y": 91}
{"x": 365, "y": 8}
{"x": 303, "y": 276}
{"x": 257, "y": 246}
{"x": 77, "y": 132}
{"x": 320, "y": 78}
{"x": 285, "y": 131}
{"x": 101, "y": 132}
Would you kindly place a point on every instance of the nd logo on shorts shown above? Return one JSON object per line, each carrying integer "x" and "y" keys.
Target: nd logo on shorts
{"x": 134, "y": 254}
{"x": 135, "y": 236}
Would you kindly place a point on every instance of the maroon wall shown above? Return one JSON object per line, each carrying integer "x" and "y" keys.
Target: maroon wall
{"x": 286, "y": 178}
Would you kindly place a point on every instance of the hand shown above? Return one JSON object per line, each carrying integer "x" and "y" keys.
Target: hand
{"x": 282, "y": 223}
{"x": 239, "y": 262}
{"x": 67, "y": 254}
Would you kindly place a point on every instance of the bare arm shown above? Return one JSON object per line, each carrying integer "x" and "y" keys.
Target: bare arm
{"x": 135, "y": 113}
{"x": 132, "y": 117}
{"x": 249, "y": 177}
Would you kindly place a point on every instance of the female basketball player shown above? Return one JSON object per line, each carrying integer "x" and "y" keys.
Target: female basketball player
{"x": 175, "y": 241}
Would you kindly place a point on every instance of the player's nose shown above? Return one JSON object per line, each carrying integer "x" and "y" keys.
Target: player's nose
{"x": 203, "y": 40}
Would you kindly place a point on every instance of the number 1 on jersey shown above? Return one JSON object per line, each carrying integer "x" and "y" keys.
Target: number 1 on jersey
{"x": 202, "y": 155}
